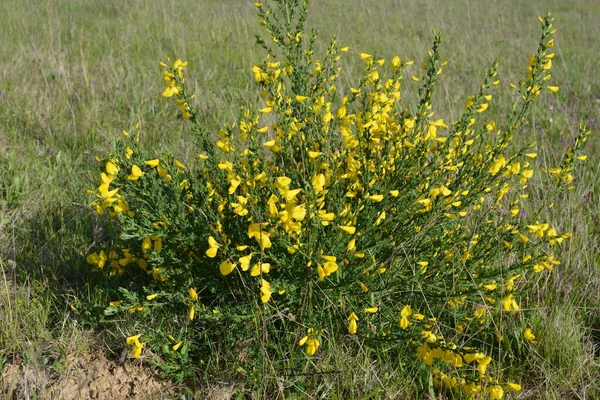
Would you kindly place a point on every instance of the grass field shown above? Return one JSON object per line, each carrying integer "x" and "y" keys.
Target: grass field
{"x": 75, "y": 73}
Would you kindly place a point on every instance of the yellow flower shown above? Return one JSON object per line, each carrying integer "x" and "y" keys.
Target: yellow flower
{"x": 226, "y": 267}
{"x": 513, "y": 386}
{"x": 115, "y": 303}
{"x": 321, "y": 272}
{"x": 429, "y": 336}
{"x": 263, "y": 238}
{"x": 254, "y": 230}
{"x": 97, "y": 259}
{"x": 176, "y": 346}
{"x": 134, "y": 341}
{"x": 352, "y": 245}
{"x": 290, "y": 194}
{"x": 528, "y": 334}
{"x": 352, "y": 325}
{"x": 136, "y": 309}
{"x": 136, "y": 351}
{"x": 233, "y": 185}
{"x": 191, "y": 313}
{"x": 326, "y": 217}
{"x": 259, "y": 268}
{"x": 497, "y": 165}
{"x": 312, "y": 345}
{"x": 193, "y": 294}
{"x": 151, "y": 296}
{"x": 296, "y": 212}
{"x": 496, "y": 392}
{"x": 136, "y": 172}
{"x": 348, "y": 229}
{"x": 553, "y": 89}
{"x": 152, "y": 163}
{"x": 147, "y": 244}
{"x": 509, "y": 303}
{"x": 439, "y": 123}
{"x": 480, "y": 312}
{"x": 371, "y": 310}
{"x": 318, "y": 183}
{"x": 213, "y": 247}
{"x": 330, "y": 267}
{"x": 162, "y": 172}
{"x": 404, "y": 322}
{"x": 311, "y": 342}
{"x": 406, "y": 311}
{"x": 527, "y": 173}
{"x": 510, "y": 283}
{"x": 363, "y": 287}
{"x": 111, "y": 168}
{"x": 245, "y": 262}
{"x": 105, "y": 179}
{"x": 303, "y": 341}
{"x": 404, "y": 314}
{"x": 265, "y": 291}
{"x": 376, "y": 198}
{"x": 483, "y": 364}
{"x": 158, "y": 245}
{"x": 171, "y": 88}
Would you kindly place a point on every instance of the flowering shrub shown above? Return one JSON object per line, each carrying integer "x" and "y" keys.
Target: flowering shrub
{"x": 330, "y": 211}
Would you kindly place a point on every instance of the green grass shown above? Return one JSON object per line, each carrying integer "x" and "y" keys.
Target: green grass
{"x": 74, "y": 74}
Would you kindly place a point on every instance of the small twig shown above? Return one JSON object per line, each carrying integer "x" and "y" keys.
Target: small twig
{"x": 313, "y": 373}
{"x": 25, "y": 383}
{"x": 278, "y": 314}
{"x": 123, "y": 357}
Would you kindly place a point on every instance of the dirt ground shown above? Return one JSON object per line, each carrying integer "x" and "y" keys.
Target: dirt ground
{"x": 94, "y": 378}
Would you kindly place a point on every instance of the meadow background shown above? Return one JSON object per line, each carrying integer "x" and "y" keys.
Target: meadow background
{"x": 75, "y": 73}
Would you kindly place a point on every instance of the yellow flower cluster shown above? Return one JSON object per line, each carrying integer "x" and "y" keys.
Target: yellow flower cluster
{"x": 109, "y": 198}
{"x": 311, "y": 341}
{"x": 456, "y": 358}
{"x": 174, "y": 80}
{"x": 136, "y": 345}
{"x": 331, "y": 203}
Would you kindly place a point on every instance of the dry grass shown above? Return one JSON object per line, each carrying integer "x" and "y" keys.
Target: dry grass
{"x": 74, "y": 73}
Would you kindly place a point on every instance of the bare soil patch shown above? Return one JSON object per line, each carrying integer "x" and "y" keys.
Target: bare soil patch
{"x": 84, "y": 378}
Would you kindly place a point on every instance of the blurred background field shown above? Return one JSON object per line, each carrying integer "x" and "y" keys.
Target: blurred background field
{"x": 75, "y": 73}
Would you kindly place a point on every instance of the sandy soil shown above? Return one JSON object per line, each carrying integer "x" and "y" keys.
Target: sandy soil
{"x": 95, "y": 378}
